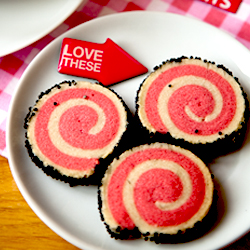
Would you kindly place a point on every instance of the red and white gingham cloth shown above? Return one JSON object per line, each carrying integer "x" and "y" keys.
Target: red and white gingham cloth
{"x": 12, "y": 66}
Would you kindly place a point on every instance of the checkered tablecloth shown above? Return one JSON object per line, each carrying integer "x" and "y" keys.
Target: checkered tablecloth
{"x": 12, "y": 66}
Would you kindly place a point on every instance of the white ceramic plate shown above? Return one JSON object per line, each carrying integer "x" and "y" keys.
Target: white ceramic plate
{"x": 151, "y": 38}
{"x": 23, "y": 22}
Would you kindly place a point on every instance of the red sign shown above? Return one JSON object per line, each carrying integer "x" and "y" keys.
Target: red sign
{"x": 229, "y": 5}
{"x": 107, "y": 63}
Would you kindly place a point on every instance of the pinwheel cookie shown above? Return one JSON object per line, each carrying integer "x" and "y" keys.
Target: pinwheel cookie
{"x": 154, "y": 190}
{"x": 194, "y": 104}
{"x": 74, "y": 126}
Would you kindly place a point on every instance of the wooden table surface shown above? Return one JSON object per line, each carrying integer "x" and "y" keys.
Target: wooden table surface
{"x": 20, "y": 228}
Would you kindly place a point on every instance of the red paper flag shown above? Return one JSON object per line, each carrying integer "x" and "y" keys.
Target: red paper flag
{"x": 107, "y": 63}
{"x": 229, "y": 5}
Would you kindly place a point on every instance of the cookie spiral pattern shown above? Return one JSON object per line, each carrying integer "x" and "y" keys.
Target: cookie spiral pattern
{"x": 74, "y": 125}
{"x": 192, "y": 100}
{"x": 158, "y": 188}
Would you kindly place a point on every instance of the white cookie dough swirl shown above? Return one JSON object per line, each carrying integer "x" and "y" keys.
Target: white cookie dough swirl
{"x": 192, "y": 100}
{"x": 157, "y": 188}
{"x": 73, "y": 125}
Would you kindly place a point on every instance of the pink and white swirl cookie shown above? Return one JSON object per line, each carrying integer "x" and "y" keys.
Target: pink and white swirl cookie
{"x": 196, "y": 103}
{"x": 156, "y": 189}
{"x": 72, "y": 127}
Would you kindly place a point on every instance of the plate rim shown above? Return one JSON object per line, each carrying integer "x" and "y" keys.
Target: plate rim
{"x": 34, "y": 206}
{"x": 46, "y": 31}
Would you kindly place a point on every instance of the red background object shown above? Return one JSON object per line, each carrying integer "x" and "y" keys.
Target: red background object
{"x": 107, "y": 63}
{"x": 229, "y": 5}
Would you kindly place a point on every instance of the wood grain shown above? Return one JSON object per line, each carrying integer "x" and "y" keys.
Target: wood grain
{"x": 20, "y": 228}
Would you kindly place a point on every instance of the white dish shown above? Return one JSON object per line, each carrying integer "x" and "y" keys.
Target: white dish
{"x": 26, "y": 21}
{"x": 151, "y": 37}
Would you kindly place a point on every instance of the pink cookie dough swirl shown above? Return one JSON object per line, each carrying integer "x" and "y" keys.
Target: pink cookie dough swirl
{"x": 192, "y": 100}
{"x": 157, "y": 188}
{"x": 75, "y": 124}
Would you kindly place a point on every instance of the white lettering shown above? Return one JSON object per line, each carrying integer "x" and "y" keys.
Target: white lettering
{"x": 97, "y": 67}
{"x": 81, "y": 52}
{"x": 90, "y": 66}
{"x": 74, "y": 63}
{"x": 65, "y": 50}
{"x": 89, "y": 55}
{"x": 75, "y": 58}
{"x": 98, "y": 55}
{"x": 66, "y": 60}
{"x": 226, "y": 5}
{"x": 82, "y": 64}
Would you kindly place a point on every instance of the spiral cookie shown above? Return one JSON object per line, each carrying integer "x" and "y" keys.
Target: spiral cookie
{"x": 155, "y": 189}
{"x": 72, "y": 127}
{"x": 195, "y": 102}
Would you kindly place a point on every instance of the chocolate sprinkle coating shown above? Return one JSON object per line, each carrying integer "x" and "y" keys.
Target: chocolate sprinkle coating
{"x": 95, "y": 178}
{"x": 199, "y": 229}
{"x": 209, "y": 151}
